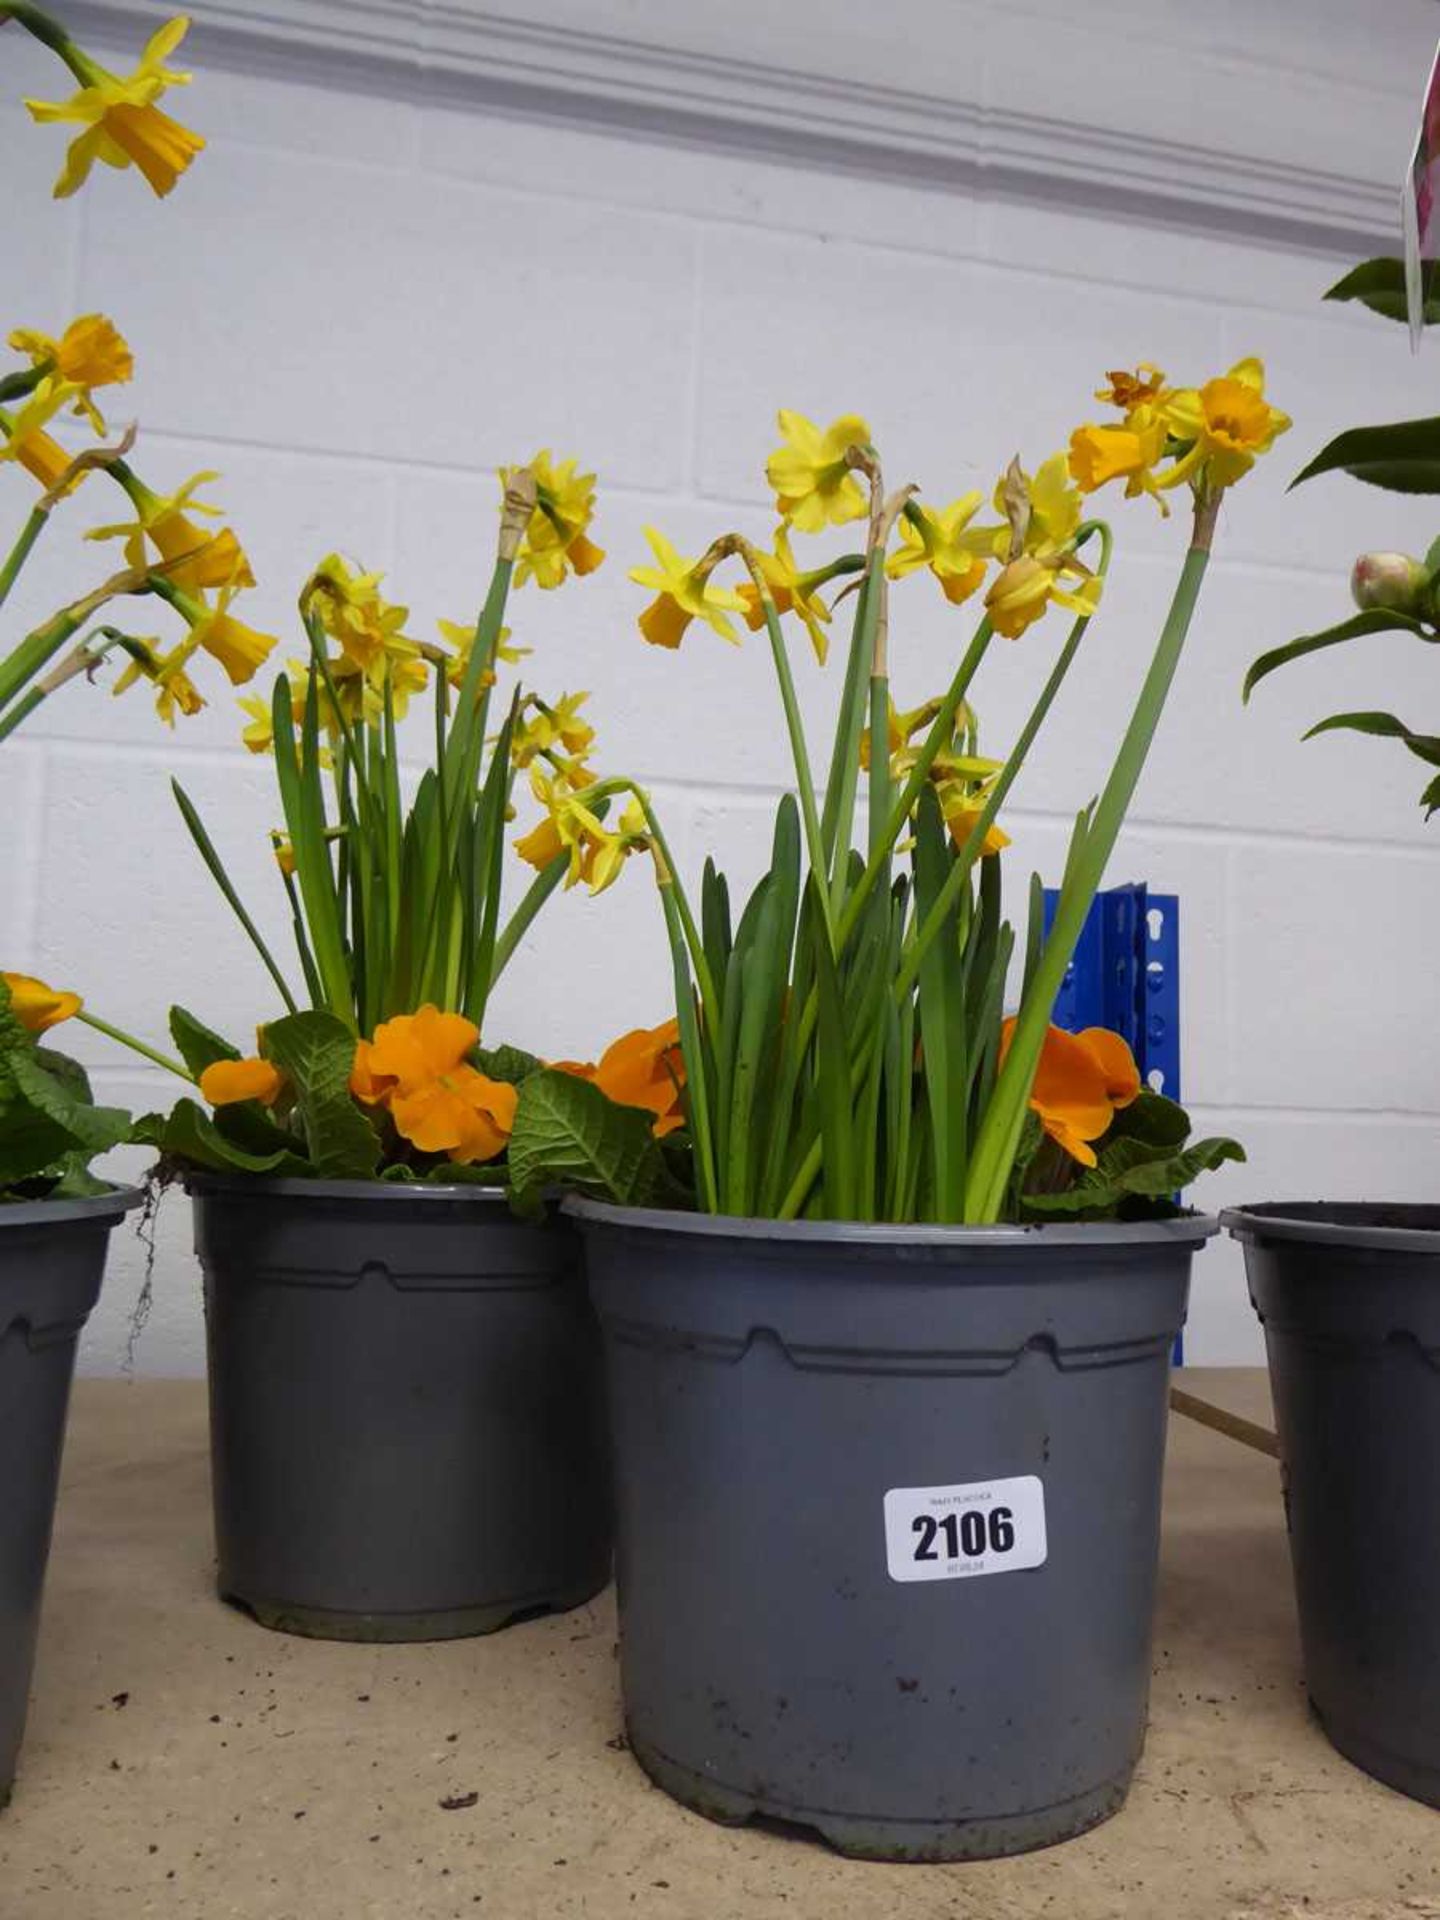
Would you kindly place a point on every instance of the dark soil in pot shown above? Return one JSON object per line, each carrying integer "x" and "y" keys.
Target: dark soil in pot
{"x": 888, "y": 1515}
{"x": 1349, "y": 1296}
{"x": 52, "y": 1256}
{"x": 407, "y": 1423}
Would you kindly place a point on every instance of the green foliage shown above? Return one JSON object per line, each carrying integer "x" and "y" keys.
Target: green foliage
{"x": 1140, "y": 1165}
{"x": 1380, "y": 285}
{"x": 50, "y": 1127}
{"x": 1403, "y": 456}
{"x": 393, "y": 906}
{"x": 1358, "y": 627}
{"x": 569, "y": 1136}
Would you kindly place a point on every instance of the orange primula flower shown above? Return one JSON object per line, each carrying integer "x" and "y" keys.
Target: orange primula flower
{"x": 1082, "y": 1079}
{"x": 416, "y": 1066}
{"x": 229, "y": 1081}
{"x": 38, "y": 1007}
{"x": 643, "y": 1069}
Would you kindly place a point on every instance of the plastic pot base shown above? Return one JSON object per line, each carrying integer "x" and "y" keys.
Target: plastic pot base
{"x": 859, "y": 1838}
{"x": 396, "y": 1629}
{"x": 1392, "y": 1769}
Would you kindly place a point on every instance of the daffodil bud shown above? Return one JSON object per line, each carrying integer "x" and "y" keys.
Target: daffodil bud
{"x": 1389, "y": 581}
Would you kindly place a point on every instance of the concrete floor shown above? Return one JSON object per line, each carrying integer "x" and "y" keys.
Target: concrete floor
{"x": 183, "y": 1762}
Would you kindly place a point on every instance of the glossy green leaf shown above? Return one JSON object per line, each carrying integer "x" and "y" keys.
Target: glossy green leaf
{"x": 568, "y": 1135}
{"x": 1385, "y": 726}
{"x": 196, "y": 1044}
{"x": 1380, "y": 286}
{"x": 1402, "y": 456}
{"x": 1358, "y": 627}
{"x": 316, "y": 1052}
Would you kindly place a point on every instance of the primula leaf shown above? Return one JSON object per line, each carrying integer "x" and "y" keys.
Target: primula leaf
{"x": 1430, "y": 798}
{"x": 1401, "y": 455}
{"x": 1425, "y": 746}
{"x": 1357, "y": 627}
{"x": 316, "y": 1052}
{"x": 30, "y": 1141}
{"x": 1133, "y": 1181}
{"x": 197, "y": 1046}
{"x": 567, "y": 1134}
{"x": 188, "y": 1133}
{"x": 1380, "y": 286}
{"x": 510, "y": 1064}
{"x": 1150, "y": 1117}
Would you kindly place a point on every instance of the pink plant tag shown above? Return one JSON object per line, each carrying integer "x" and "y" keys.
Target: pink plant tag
{"x": 1418, "y": 204}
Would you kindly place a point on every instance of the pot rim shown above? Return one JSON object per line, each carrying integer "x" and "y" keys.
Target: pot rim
{"x": 1287, "y": 1220}
{"x": 1190, "y": 1229}
{"x": 199, "y": 1181}
{"x": 109, "y": 1207}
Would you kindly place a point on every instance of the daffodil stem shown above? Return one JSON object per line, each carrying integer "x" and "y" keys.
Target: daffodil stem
{"x": 799, "y": 749}
{"x": 20, "y": 552}
{"x": 136, "y": 1046}
{"x": 941, "y": 731}
{"x": 959, "y": 874}
{"x": 845, "y": 777}
{"x": 33, "y": 653}
{"x": 518, "y": 925}
{"x": 703, "y": 978}
{"x": 996, "y": 1143}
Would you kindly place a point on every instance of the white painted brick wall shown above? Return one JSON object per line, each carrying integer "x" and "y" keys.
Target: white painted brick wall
{"x": 356, "y": 306}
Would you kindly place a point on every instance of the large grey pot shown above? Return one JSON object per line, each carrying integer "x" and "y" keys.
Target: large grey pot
{"x": 407, "y": 1426}
{"x": 52, "y": 1256}
{"x": 1349, "y": 1296}
{"x": 799, "y": 1413}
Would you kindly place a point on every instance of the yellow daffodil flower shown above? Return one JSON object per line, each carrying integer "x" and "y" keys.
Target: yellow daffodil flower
{"x": 259, "y": 735}
{"x": 193, "y": 559}
{"x": 1026, "y": 587}
{"x": 367, "y": 628}
{"x": 791, "y": 590}
{"x": 596, "y": 853}
{"x": 941, "y": 540}
{"x": 962, "y": 780}
{"x": 240, "y": 650}
{"x": 814, "y": 487}
{"x": 461, "y": 639}
{"x": 36, "y": 1006}
{"x": 682, "y": 593}
{"x": 556, "y": 540}
{"x": 361, "y": 691}
{"x": 1145, "y": 387}
{"x": 27, "y": 443}
{"x": 176, "y": 692}
{"x": 89, "y": 354}
{"x": 1228, "y": 423}
{"x": 123, "y": 126}
{"x": 548, "y": 727}
{"x": 1043, "y": 515}
{"x": 961, "y": 804}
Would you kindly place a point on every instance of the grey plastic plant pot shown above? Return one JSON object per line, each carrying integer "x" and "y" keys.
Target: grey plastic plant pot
{"x": 1349, "y": 1296}
{"x": 52, "y": 1256}
{"x": 888, "y": 1507}
{"x": 407, "y": 1423}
